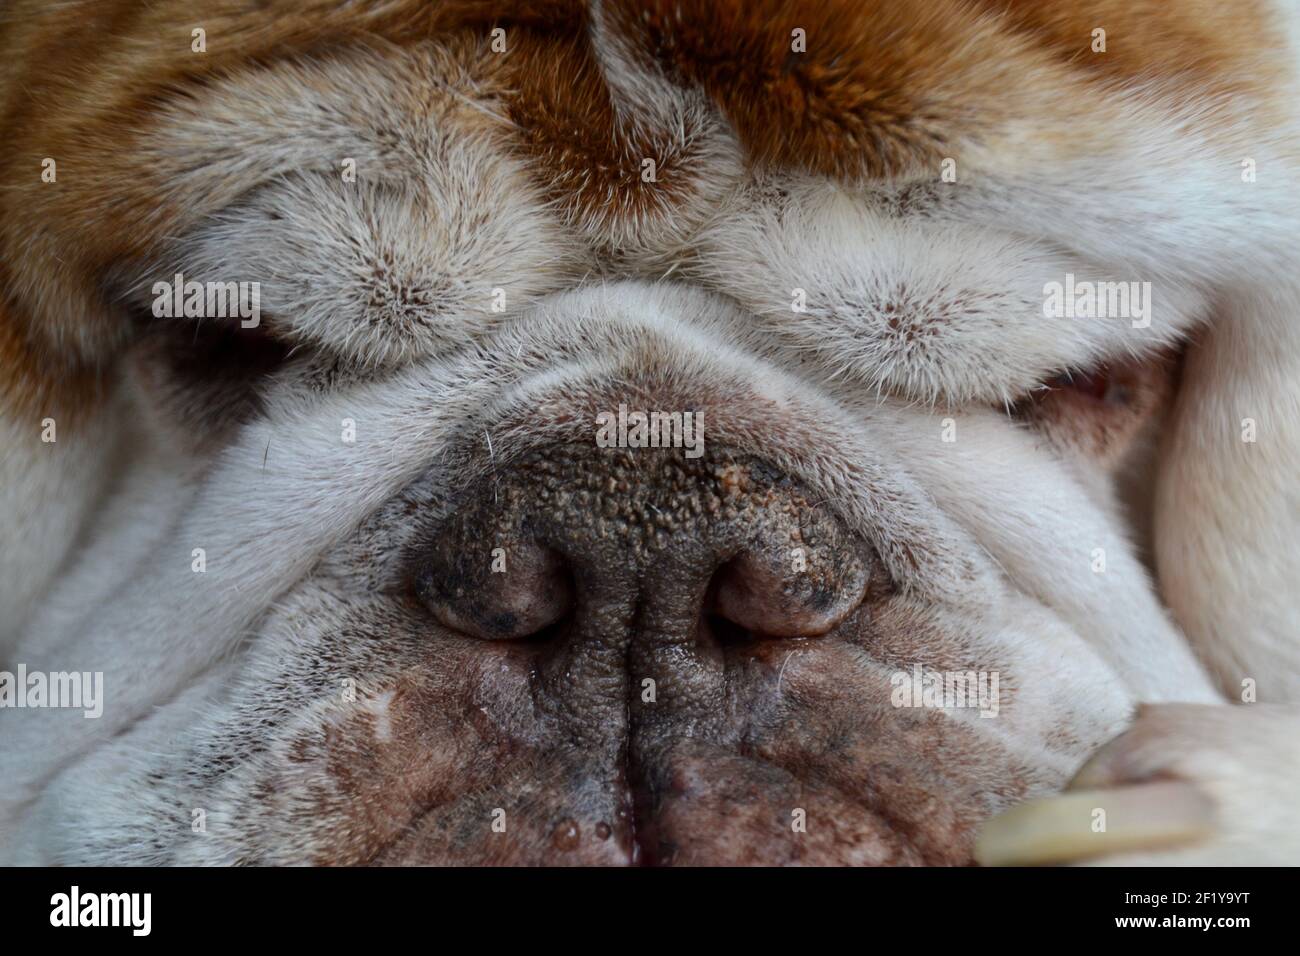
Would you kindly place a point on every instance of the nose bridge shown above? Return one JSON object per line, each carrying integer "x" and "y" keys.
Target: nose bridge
{"x": 674, "y": 665}
{"x": 582, "y": 677}
{"x": 647, "y": 530}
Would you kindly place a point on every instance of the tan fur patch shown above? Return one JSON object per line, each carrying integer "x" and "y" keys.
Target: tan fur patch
{"x": 878, "y": 92}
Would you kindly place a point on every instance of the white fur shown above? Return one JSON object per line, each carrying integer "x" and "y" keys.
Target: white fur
{"x": 932, "y": 308}
{"x": 288, "y": 491}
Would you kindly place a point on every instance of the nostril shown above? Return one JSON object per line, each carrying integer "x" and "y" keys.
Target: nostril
{"x": 726, "y": 632}
{"x": 526, "y": 592}
{"x": 760, "y": 594}
{"x": 549, "y": 632}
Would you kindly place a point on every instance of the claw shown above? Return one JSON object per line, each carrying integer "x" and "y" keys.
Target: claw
{"x": 1068, "y": 828}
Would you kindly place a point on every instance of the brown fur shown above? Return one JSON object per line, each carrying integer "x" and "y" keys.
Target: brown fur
{"x": 586, "y": 162}
{"x": 40, "y": 384}
{"x": 1192, "y": 45}
{"x": 889, "y": 88}
{"x": 152, "y": 140}
{"x": 884, "y": 89}
{"x": 82, "y": 85}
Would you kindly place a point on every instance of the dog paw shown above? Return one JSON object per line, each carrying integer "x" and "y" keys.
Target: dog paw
{"x": 1185, "y": 785}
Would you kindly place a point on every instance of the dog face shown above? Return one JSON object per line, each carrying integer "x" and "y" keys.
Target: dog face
{"x": 402, "y": 699}
{"x": 428, "y": 592}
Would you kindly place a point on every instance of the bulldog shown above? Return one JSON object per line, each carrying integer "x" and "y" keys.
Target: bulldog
{"x": 644, "y": 432}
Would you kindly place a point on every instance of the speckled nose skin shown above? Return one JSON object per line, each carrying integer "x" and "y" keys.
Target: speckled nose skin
{"x": 627, "y": 656}
{"x": 635, "y": 580}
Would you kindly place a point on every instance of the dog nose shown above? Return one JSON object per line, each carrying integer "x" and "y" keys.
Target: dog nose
{"x": 531, "y": 590}
{"x": 587, "y": 540}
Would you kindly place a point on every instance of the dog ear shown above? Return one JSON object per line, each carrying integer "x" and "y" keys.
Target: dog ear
{"x": 1227, "y": 504}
